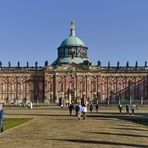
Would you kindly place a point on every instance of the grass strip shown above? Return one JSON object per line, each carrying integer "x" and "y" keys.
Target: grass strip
{"x": 12, "y": 122}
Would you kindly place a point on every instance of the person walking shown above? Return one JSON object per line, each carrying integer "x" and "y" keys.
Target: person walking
{"x": 127, "y": 109}
{"x": 70, "y": 109}
{"x": 120, "y": 108}
{"x": 84, "y": 112}
{"x": 76, "y": 109}
{"x": 97, "y": 107}
{"x": 79, "y": 111}
{"x": 133, "y": 107}
{"x": 31, "y": 105}
{"x": 1, "y": 117}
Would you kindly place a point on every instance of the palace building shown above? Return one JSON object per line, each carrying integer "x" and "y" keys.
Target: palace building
{"x": 72, "y": 77}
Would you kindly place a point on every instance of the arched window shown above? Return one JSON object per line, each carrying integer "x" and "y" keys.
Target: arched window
{"x": 40, "y": 94}
{"x": 94, "y": 86}
{"x": 50, "y": 87}
{"x": 4, "y": 96}
{"x": 9, "y": 86}
{"x": 72, "y": 85}
{"x": 40, "y": 86}
{"x": 14, "y": 87}
{"x": 141, "y": 88}
{"x": 122, "y": 86}
{"x": 4, "y": 87}
{"x": 104, "y": 87}
{"x": 83, "y": 86}
{"x": 31, "y": 86}
{"x": 23, "y": 86}
{"x": 22, "y": 96}
{"x": 13, "y": 95}
{"x": 61, "y": 87}
{"x": 114, "y": 87}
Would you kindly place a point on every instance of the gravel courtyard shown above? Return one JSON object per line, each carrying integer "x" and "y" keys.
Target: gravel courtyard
{"x": 52, "y": 126}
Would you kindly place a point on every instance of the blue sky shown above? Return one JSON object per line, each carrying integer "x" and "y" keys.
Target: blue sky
{"x": 113, "y": 30}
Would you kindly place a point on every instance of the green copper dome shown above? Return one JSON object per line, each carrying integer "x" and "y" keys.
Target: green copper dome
{"x": 72, "y": 41}
{"x": 71, "y": 50}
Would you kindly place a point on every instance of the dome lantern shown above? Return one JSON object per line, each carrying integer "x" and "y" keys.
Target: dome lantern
{"x": 72, "y": 30}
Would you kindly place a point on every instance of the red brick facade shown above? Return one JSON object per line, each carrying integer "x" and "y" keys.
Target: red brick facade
{"x": 72, "y": 82}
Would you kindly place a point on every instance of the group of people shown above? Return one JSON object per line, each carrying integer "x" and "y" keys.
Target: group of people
{"x": 128, "y": 107}
{"x": 79, "y": 110}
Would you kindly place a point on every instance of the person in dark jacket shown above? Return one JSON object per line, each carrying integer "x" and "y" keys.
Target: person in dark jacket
{"x": 120, "y": 108}
{"x": 91, "y": 107}
{"x": 97, "y": 107}
{"x": 127, "y": 109}
{"x": 70, "y": 109}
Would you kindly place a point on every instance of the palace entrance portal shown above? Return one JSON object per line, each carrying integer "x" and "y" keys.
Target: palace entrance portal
{"x": 71, "y": 96}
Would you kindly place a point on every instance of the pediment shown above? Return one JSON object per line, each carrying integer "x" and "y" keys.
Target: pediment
{"x": 70, "y": 67}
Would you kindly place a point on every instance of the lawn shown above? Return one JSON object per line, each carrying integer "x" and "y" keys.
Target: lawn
{"x": 12, "y": 122}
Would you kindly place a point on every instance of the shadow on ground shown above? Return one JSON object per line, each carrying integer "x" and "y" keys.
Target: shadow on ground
{"x": 116, "y": 134}
{"x": 100, "y": 142}
{"x": 130, "y": 129}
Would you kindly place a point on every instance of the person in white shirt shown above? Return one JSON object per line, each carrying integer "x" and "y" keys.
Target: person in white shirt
{"x": 31, "y": 105}
{"x": 133, "y": 107}
{"x": 84, "y": 111}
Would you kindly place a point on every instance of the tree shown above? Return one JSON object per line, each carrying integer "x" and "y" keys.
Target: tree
{"x": 18, "y": 64}
{"x": 108, "y": 65}
{"x": 9, "y": 64}
{"x": 27, "y": 64}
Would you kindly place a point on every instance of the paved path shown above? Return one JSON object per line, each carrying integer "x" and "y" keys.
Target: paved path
{"x": 52, "y": 127}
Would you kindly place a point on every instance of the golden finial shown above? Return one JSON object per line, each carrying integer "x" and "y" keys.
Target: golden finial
{"x": 72, "y": 24}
